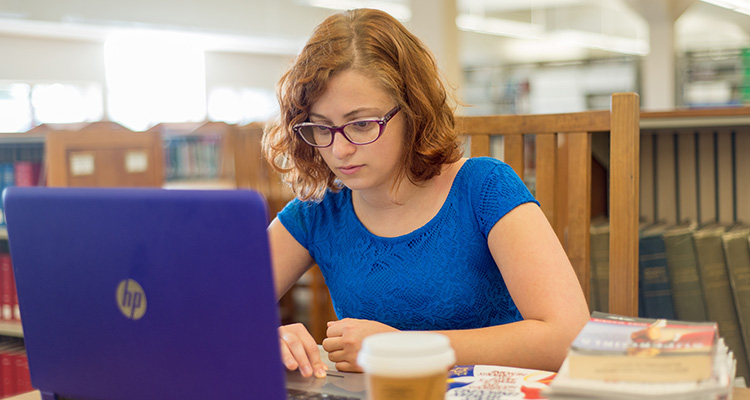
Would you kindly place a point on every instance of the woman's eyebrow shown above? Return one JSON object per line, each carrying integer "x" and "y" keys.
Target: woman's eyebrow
{"x": 350, "y": 114}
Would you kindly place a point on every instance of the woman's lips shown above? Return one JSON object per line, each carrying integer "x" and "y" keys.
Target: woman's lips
{"x": 350, "y": 169}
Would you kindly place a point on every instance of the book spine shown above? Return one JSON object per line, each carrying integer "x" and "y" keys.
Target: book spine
{"x": 15, "y": 376}
{"x": 27, "y": 173}
{"x": 656, "y": 289}
{"x": 737, "y": 255}
{"x": 7, "y": 179}
{"x": 600, "y": 270}
{"x": 687, "y": 294}
{"x": 23, "y": 374}
{"x": 8, "y": 372}
{"x": 718, "y": 293}
{"x": 7, "y": 287}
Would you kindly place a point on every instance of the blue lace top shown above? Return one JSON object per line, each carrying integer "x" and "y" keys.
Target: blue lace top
{"x": 440, "y": 276}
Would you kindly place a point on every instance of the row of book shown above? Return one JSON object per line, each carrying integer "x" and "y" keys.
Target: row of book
{"x": 9, "y": 310}
{"x": 19, "y": 173}
{"x": 687, "y": 272}
{"x": 14, "y": 368}
{"x": 192, "y": 157}
{"x": 617, "y": 357}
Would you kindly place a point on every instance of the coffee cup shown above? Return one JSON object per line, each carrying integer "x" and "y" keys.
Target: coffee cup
{"x": 406, "y": 365}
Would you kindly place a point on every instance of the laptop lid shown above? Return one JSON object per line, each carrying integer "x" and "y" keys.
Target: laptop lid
{"x": 145, "y": 293}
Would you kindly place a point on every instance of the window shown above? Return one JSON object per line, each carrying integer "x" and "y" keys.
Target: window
{"x": 24, "y": 105}
{"x": 15, "y": 107}
{"x": 66, "y": 103}
{"x": 153, "y": 78}
{"x": 241, "y": 105}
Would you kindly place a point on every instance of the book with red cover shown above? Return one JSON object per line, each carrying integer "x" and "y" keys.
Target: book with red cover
{"x": 612, "y": 347}
{"x": 27, "y": 173}
{"x": 23, "y": 375}
{"x": 9, "y": 353}
{"x": 7, "y": 287}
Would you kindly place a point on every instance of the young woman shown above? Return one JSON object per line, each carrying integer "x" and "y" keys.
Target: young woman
{"x": 408, "y": 234}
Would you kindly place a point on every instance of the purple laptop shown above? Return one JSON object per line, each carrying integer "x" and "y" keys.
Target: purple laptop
{"x": 145, "y": 293}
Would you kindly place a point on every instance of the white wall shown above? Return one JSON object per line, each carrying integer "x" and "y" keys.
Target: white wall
{"x": 248, "y": 70}
{"x": 33, "y": 59}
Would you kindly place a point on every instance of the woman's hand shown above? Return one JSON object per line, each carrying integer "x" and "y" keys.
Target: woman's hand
{"x": 345, "y": 339}
{"x": 299, "y": 350}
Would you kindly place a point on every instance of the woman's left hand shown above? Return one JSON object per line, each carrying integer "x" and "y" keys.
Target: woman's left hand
{"x": 345, "y": 339}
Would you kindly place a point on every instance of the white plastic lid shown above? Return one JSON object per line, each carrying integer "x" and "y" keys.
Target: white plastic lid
{"x": 406, "y": 354}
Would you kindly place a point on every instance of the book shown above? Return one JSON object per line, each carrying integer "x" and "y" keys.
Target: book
{"x": 718, "y": 386}
{"x": 717, "y": 290}
{"x": 737, "y": 255}
{"x": 492, "y": 382}
{"x": 599, "y": 289}
{"x": 687, "y": 294}
{"x": 656, "y": 290}
{"x": 27, "y": 173}
{"x": 612, "y": 347}
{"x": 7, "y": 288}
{"x": 7, "y": 178}
{"x": 14, "y": 371}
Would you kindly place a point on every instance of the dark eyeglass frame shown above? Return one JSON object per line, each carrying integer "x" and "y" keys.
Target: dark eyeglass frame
{"x": 382, "y": 122}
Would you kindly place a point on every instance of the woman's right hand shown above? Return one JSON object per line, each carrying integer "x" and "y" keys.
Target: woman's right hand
{"x": 299, "y": 350}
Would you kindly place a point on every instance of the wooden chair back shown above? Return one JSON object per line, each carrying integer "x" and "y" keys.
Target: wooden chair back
{"x": 563, "y": 160}
{"x": 252, "y": 170}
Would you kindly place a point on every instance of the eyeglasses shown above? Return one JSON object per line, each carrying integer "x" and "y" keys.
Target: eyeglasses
{"x": 363, "y": 131}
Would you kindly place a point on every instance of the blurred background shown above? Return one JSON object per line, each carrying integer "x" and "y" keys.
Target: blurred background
{"x": 197, "y": 79}
{"x": 142, "y": 62}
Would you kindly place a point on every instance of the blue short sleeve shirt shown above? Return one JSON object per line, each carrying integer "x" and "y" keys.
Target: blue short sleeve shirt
{"x": 439, "y": 276}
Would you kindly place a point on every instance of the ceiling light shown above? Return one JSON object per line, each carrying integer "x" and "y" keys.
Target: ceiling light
{"x": 499, "y": 27}
{"x": 594, "y": 40}
{"x": 575, "y": 37}
{"x": 741, "y": 6}
{"x": 399, "y": 11}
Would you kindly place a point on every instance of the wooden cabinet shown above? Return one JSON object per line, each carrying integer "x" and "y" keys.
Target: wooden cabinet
{"x": 94, "y": 157}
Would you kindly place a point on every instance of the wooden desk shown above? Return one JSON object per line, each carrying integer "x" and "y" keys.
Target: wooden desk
{"x": 739, "y": 394}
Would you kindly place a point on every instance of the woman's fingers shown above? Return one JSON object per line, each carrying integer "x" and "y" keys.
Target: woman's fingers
{"x": 299, "y": 350}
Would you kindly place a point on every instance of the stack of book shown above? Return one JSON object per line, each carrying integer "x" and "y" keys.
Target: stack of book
{"x": 687, "y": 272}
{"x": 616, "y": 357}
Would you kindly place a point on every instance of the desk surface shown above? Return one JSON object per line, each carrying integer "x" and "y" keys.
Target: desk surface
{"x": 739, "y": 394}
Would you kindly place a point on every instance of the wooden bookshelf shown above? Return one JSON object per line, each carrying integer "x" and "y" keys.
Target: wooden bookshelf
{"x": 694, "y": 165}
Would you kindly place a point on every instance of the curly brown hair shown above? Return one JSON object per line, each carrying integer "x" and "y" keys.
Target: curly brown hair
{"x": 376, "y": 44}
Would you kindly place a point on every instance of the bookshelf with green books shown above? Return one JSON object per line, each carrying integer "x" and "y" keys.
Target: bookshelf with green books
{"x": 736, "y": 243}
{"x": 693, "y": 172}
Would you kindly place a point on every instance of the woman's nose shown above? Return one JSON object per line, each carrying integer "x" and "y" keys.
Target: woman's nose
{"x": 341, "y": 147}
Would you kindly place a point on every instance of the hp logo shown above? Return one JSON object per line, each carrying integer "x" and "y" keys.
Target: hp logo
{"x": 131, "y": 299}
